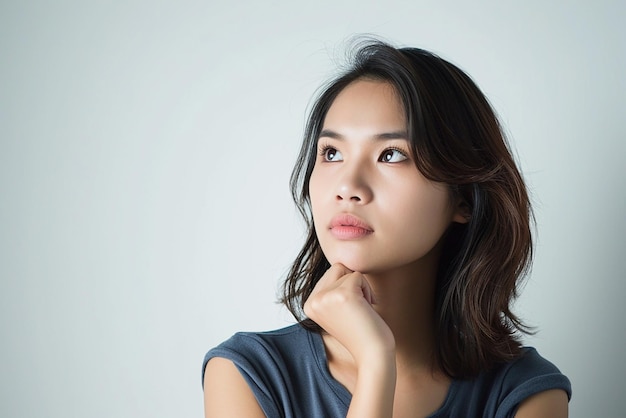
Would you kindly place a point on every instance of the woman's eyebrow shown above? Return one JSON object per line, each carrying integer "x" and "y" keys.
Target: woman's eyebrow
{"x": 382, "y": 136}
{"x": 393, "y": 135}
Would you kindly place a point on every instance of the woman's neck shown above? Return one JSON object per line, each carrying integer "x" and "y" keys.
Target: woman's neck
{"x": 405, "y": 299}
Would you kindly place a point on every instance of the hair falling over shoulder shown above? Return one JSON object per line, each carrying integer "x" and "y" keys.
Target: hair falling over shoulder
{"x": 456, "y": 139}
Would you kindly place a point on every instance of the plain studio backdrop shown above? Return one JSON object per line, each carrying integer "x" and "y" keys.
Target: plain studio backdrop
{"x": 145, "y": 150}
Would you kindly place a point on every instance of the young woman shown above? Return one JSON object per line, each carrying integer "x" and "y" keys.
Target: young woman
{"x": 419, "y": 232}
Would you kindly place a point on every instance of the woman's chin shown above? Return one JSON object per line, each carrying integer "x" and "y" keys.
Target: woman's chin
{"x": 352, "y": 263}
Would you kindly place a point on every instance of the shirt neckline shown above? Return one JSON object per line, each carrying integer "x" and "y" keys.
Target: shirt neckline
{"x": 344, "y": 396}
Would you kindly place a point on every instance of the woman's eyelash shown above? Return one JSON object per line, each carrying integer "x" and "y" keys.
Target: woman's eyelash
{"x": 393, "y": 155}
{"x": 324, "y": 148}
{"x": 400, "y": 150}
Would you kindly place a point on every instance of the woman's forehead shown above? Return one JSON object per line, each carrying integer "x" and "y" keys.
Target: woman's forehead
{"x": 369, "y": 105}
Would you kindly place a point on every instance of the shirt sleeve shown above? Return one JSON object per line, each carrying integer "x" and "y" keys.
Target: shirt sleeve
{"x": 246, "y": 358}
{"x": 526, "y": 377}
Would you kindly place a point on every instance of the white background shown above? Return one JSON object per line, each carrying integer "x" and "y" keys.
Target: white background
{"x": 145, "y": 149}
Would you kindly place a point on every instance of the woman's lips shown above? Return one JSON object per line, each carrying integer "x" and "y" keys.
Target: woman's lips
{"x": 346, "y": 226}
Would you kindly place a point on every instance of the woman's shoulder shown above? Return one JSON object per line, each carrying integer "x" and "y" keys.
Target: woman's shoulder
{"x": 256, "y": 343}
{"x": 284, "y": 340}
{"x": 527, "y": 375}
{"x": 500, "y": 390}
{"x": 529, "y": 366}
{"x": 286, "y": 371}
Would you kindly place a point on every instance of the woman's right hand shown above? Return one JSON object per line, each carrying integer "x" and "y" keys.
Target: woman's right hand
{"x": 341, "y": 303}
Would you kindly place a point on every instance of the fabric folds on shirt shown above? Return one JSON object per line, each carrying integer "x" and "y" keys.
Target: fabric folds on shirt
{"x": 287, "y": 371}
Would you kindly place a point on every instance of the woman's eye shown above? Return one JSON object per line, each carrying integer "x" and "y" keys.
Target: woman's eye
{"x": 392, "y": 156}
{"x": 331, "y": 154}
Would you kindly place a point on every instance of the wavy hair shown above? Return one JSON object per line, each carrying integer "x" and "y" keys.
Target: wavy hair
{"x": 456, "y": 139}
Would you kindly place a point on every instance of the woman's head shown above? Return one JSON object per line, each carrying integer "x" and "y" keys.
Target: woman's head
{"x": 454, "y": 139}
{"x": 373, "y": 211}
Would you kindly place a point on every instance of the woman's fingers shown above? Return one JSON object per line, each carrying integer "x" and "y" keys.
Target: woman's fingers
{"x": 341, "y": 294}
{"x": 335, "y": 287}
{"x": 367, "y": 291}
{"x": 334, "y": 273}
{"x": 341, "y": 304}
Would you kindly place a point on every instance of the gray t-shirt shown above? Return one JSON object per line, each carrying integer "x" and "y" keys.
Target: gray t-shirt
{"x": 287, "y": 371}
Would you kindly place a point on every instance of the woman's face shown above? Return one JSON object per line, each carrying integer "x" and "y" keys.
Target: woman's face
{"x": 373, "y": 210}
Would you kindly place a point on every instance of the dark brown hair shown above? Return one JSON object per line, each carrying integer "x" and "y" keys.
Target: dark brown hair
{"x": 455, "y": 139}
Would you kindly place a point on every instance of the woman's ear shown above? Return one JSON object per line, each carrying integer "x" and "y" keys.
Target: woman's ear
{"x": 462, "y": 212}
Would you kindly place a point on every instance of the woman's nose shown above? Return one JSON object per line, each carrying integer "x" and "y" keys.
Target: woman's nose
{"x": 354, "y": 186}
